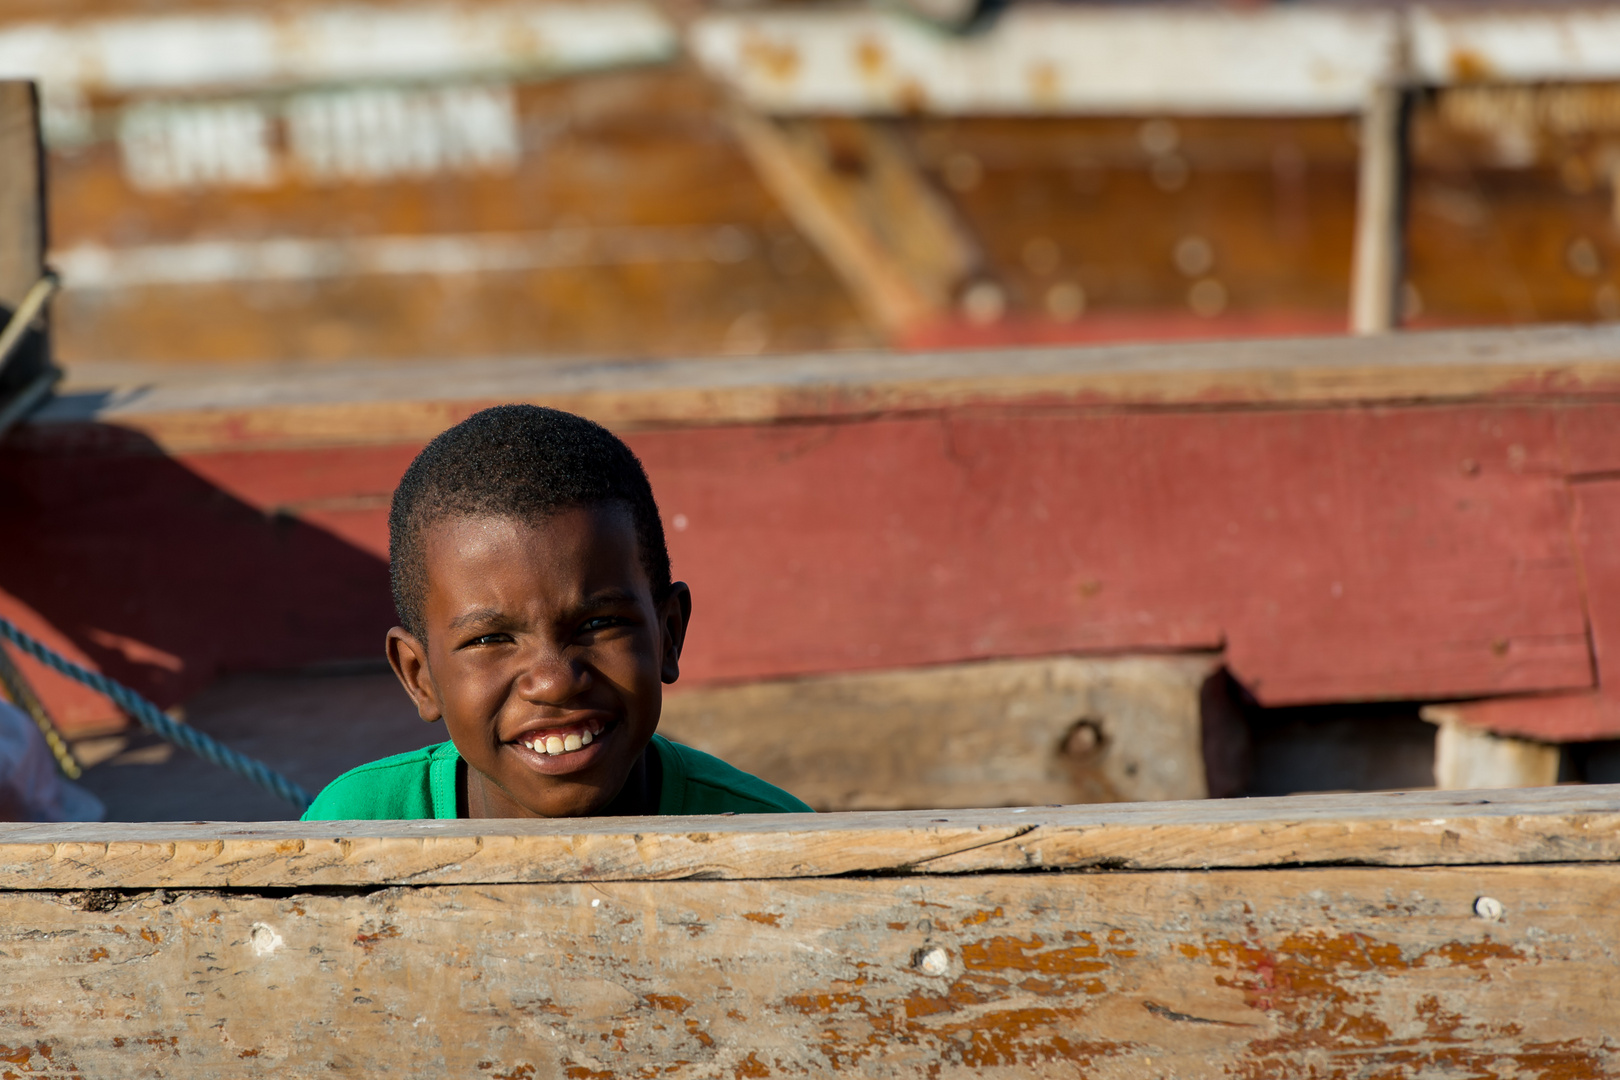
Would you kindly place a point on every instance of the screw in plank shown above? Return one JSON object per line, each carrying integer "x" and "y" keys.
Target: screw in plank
{"x": 935, "y": 961}
{"x": 1489, "y": 908}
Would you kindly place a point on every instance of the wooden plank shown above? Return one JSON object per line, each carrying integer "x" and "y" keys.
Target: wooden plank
{"x": 1467, "y": 757}
{"x": 1330, "y": 551}
{"x": 172, "y": 547}
{"x": 999, "y": 733}
{"x": 256, "y": 409}
{"x": 1573, "y": 717}
{"x": 1597, "y": 517}
{"x": 1591, "y": 446}
{"x": 22, "y": 212}
{"x": 1250, "y": 974}
{"x": 116, "y": 51}
{"x": 1052, "y": 60}
{"x": 426, "y": 221}
{"x": 1552, "y": 718}
{"x": 28, "y": 374}
{"x": 1567, "y": 42}
{"x": 1375, "y": 278}
{"x": 854, "y": 191}
{"x": 1565, "y": 824}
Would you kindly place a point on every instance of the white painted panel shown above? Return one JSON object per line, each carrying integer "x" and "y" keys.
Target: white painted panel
{"x": 352, "y": 134}
{"x": 342, "y": 43}
{"x": 98, "y": 267}
{"x": 1516, "y": 45}
{"x": 213, "y": 144}
{"x": 1054, "y": 59}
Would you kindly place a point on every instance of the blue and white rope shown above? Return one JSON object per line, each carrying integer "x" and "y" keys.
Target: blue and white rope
{"x": 154, "y": 720}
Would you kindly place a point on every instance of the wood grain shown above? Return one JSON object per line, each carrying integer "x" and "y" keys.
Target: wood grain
{"x": 1467, "y": 757}
{"x": 22, "y": 212}
{"x": 1378, "y": 262}
{"x": 28, "y": 371}
{"x": 1406, "y": 829}
{"x": 1337, "y": 553}
{"x": 1589, "y": 443}
{"x": 1332, "y": 972}
{"x": 267, "y": 408}
{"x": 998, "y": 733}
{"x": 854, "y": 191}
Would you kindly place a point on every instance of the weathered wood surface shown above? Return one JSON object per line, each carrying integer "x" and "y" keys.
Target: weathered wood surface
{"x": 854, "y": 191}
{"x": 1465, "y": 756}
{"x": 1336, "y": 553}
{"x": 27, "y": 372}
{"x": 1576, "y": 824}
{"x": 22, "y": 211}
{"x": 266, "y": 409}
{"x": 1330, "y": 973}
{"x": 1377, "y": 268}
{"x": 1591, "y": 448}
{"x": 998, "y": 733}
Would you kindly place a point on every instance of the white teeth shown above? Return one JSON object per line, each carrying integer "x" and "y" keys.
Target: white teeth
{"x": 559, "y": 744}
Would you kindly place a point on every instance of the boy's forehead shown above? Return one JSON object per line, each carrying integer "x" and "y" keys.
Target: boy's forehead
{"x": 580, "y": 545}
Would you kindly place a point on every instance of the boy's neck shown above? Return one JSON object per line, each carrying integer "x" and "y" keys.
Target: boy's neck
{"x": 642, "y": 790}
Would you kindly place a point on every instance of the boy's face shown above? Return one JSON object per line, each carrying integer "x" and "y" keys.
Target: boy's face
{"x": 542, "y": 636}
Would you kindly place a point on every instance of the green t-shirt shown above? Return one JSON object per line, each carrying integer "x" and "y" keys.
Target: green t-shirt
{"x": 422, "y": 784}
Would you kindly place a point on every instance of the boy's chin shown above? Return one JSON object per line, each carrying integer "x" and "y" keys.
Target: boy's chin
{"x": 581, "y": 802}
{"x": 582, "y": 792}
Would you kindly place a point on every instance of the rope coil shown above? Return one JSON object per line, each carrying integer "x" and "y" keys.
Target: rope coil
{"x": 154, "y": 720}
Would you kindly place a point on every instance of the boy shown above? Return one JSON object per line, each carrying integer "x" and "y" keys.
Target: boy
{"x": 539, "y": 622}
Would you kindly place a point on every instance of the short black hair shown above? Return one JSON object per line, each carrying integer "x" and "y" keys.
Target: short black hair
{"x": 520, "y": 461}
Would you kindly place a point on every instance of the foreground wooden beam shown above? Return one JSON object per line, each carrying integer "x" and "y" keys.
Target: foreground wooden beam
{"x": 917, "y": 944}
{"x": 1411, "y": 829}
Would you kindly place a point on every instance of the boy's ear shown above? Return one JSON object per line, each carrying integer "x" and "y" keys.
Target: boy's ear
{"x": 674, "y": 614}
{"x": 408, "y": 658}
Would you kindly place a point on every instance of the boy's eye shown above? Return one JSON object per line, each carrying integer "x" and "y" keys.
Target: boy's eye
{"x": 490, "y": 639}
{"x": 601, "y": 622}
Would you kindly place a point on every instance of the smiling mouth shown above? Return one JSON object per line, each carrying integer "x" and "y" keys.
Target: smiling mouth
{"x": 558, "y": 742}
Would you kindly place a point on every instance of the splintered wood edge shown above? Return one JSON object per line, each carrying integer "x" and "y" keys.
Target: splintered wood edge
{"x": 1565, "y": 824}
{"x": 187, "y": 412}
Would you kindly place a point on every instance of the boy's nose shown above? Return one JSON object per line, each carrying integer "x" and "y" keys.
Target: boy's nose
{"x": 552, "y": 677}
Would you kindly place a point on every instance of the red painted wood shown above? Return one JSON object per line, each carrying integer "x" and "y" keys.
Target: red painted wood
{"x": 1337, "y": 554}
{"x": 1557, "y": 718}
{"x": 1596, "y": 528}
{"x": 164, "y": 580}
{"x": 1597, "y": 535}
{"x": 1591, "y": 435}
{"x": 1099, "y": 328}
